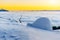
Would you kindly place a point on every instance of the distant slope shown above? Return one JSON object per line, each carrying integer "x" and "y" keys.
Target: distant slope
{"x": 3, "y": 10}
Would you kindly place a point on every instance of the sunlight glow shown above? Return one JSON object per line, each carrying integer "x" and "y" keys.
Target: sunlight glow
{"x": 53, "y": 2}
{"x": 30, "y": 4}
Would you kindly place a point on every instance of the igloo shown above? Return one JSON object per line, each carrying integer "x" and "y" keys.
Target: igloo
{"x": 41, "y": 23}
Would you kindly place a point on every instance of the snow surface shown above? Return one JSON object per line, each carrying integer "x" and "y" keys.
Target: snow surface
{"x": 12, "y": 29}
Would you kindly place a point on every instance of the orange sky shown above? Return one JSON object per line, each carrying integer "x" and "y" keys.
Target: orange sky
{"x": 30, "y": 4}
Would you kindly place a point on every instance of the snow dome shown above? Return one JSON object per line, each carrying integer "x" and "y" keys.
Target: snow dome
{"x": 42, "y": 23}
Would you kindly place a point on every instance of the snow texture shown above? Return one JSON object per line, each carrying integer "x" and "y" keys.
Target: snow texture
{"x": 12, "y": 29}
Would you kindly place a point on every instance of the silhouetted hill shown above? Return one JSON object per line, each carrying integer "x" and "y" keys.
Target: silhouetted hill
{"x": 3, "y": 10}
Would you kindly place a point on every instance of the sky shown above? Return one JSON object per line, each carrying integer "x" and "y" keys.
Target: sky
{"x": 30, "y": 4}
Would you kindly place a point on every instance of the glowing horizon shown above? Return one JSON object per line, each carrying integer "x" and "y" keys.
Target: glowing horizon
{"x": 30, "y": 4}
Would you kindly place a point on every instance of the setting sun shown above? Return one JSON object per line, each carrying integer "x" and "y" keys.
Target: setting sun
{"x": 53, "y": 2}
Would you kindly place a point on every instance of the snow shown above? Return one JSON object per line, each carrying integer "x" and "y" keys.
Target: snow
{"x": 12, "y": 29}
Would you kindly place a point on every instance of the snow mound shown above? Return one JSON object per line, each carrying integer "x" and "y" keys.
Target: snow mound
{"x": 42, "y": 23}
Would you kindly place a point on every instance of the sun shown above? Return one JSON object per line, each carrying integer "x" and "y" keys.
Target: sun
{"x": 53, "y": 2}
